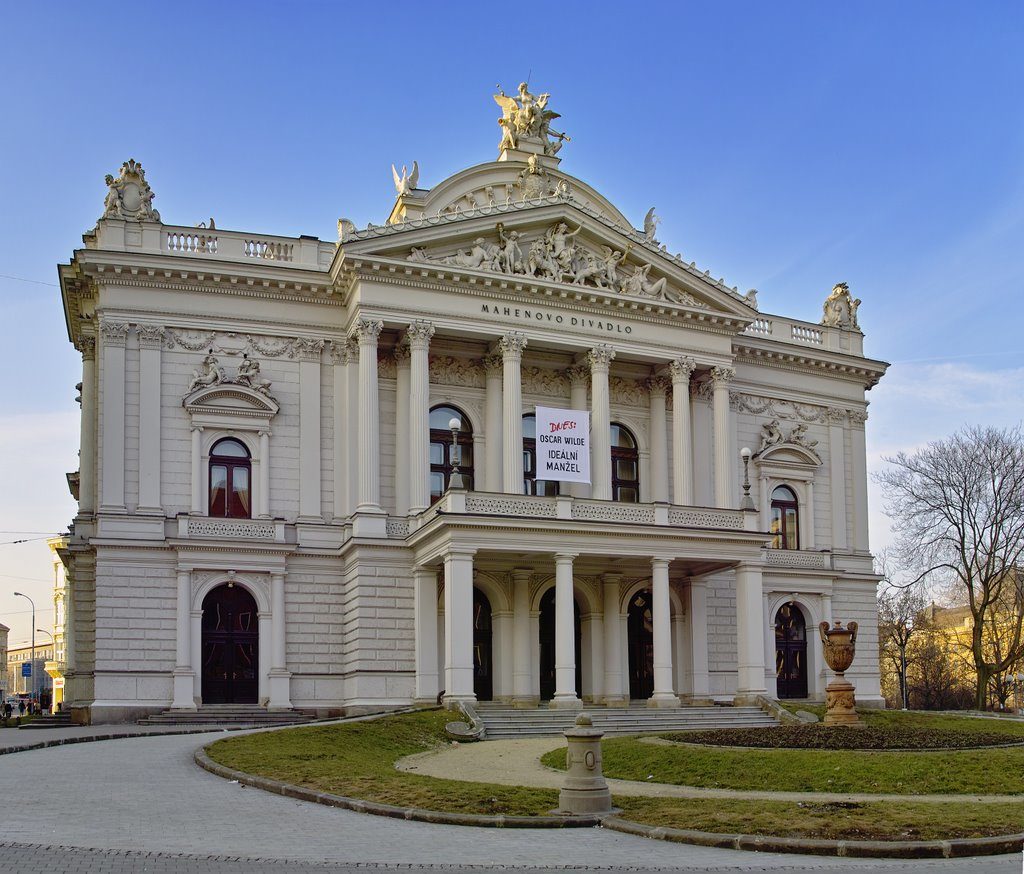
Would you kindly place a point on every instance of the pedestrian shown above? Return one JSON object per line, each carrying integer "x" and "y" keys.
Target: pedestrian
{"x": 21, "y": 707}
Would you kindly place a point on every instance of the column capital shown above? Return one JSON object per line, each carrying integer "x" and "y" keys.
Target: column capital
{"x": 418, "y": 334}
{"x": 563, "y": 557}
{"x": 114, "y": 333}
{"x": 341, "y": 351}
{"x": 835, "y": 416}
{"x": 857, "y": 417}
{"x": 87, "y": 346}
{"x": 512, "y": 345}
{"x": 366, "y": 331}
{"x": 578, "y": 375}
{"x": 403, "y": 354}
{"x": 722, "y": 376}
{"x": 307, "y": 349}
{"x": 600, "y": 358}
{"x": 460, "y": 552}
{"x": 151, "y": 336}
{"x": 658, "y": 386}
{"x": 196, "y": 429}
{"x": 681, "y": 369}
{"x": 493, "y": 365}
{"x": 660, "y": 562}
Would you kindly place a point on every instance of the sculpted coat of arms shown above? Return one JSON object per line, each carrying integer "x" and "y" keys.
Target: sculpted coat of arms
{"x": 129, "y": 196}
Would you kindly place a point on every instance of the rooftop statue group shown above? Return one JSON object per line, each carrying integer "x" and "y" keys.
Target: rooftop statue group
{"x": 557, "y": 256}
{"x": 527, "y": 115}
{"x": 211, "y": 373}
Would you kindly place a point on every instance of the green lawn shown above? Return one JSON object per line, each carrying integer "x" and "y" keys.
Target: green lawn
{"x": 357, "y": 760}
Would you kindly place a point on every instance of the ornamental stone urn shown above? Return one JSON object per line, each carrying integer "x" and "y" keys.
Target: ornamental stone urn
{"x": 840, "y": 700}
{"x": 585, "y": 790}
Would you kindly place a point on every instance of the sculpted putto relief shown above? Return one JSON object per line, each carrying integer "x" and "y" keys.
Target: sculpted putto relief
{"x": 558, "y": 257}
{"x": 211, "y": 373}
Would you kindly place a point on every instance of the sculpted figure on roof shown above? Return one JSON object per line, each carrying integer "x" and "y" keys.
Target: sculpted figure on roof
{"x": 527, "y": 115}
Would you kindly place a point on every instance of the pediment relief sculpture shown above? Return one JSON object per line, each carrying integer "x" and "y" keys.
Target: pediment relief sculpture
{"x": 211, "y": 374}
{"x": 129, "y": 196}
{"x": 557, "y": 256}
{"x": 773, "y": 439}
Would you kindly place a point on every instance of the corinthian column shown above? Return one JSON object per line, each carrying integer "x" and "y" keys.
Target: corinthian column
{"x": 493, "y": 463}
{"x": 565, "y": 634}
{"x": 600, "y": 359}
{"x": 579, "y": 376}
{"x": 657, "y": 387}
{"x": 419, "y": 335}
{"x": 725, "y": 494}
{"x": 87, "y": 455}
{"x": 511, "y": 346}
{"x": 367, "y": 332}
{"x": 682, "y": 433}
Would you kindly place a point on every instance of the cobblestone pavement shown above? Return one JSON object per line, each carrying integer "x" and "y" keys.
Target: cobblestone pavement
{"x": 141, "y": 804}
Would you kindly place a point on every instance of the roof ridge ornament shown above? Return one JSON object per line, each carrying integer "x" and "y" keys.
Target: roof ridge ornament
{"x": 840, "y": 308}
{"x": 129, "y": 197}
{"x": 526, "y": 124}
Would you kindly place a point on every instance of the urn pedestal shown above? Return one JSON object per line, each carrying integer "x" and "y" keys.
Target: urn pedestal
{"x": 585, "y": 790}
{"x": 839, "y": 645}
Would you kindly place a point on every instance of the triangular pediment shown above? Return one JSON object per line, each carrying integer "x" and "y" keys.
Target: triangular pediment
{"x": 551, "y": 239}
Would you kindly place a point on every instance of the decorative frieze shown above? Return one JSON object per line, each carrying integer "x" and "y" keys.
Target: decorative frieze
{"x": 541, "y": 381}
{"x": 627, "y": 392}
{"x": 777, "y": 408}
{"x": 447, "y": 370}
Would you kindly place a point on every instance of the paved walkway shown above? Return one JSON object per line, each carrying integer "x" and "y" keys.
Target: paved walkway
{"x": 517, "y": 763}
{"x": 141, "y": 804}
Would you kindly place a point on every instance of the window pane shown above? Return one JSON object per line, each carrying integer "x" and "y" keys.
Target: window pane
{"x": 527, "y": 462}
{"x": 436, "y": 485}
{"x": 625, "y": 469}
{"x": 436, "y": 453}
{"x": 791, "y": 539}
{"x": 546, "y": 487}
{"x": 622, "y": 438}
{"x": 628, "y": 496}
{"x": 240, "y": 507}
{"x": 441, "y": 416}
{"x": 218, "y": 489}
{"x": 466, "y": 455}
{"x": 529, "y": 427}
{"x": 230, "y": 448}
{"x": 776, "y": 528}
{"x": 782, "y": 493}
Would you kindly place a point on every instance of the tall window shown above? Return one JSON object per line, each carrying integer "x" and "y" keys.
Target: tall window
{"x": 230, "y": 478}
{"x": 625, "y": 466}
{"x": 785, "y": 519}
{"x": 532, "y": 485}
{"x": 441, "y": 461}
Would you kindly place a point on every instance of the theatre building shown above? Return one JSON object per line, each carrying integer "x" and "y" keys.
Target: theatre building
{"x": 320, "y": 474}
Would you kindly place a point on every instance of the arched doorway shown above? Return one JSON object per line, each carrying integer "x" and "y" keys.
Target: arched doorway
{"x": 640, "y": 626}
{"x": 230, "y": 647}
{"x": 483, "y": 672}
{"x": 547, "y": 646}
{"x": 790, "y": 652}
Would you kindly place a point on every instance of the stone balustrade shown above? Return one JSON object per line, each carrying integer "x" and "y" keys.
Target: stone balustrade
{"x": 798, "y": 558}
{"x": 809, "y": 334}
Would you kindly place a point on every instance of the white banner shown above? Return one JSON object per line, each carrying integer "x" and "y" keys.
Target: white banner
{"x": 563, "y": 445}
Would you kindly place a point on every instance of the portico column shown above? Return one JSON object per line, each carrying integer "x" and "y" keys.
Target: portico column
{"x": 425, "y": 621}
{"x": 700, "y": 683}
{"x": 280, "y": 676}
{"x": 87, "y": 454}
{"x": 579, "y": 377}
{"x": 600, "y": 359}
{"x": 664, "y": 695}
{"x": 184, "y": 676}
{"x": 614, "y": 694}
{"x": 493, "y": 464}
{"x": 352, "y": 438}
{"x": 403, "y": 433}
{"x": 565, "y": 634}
{"x": 458, "y": 627}
{"x": 749, "y": 633}
{"x": 151, "y": 340}
{"x": 682, "y": 434}
{"x": 419, "y": 335}
{"x": 522, "y": 677}
{"x": 197, "y": 470}
{"x": 725, "y": 494}
{"x": 512, "y": 345}
{"x": 114, "y": 336}
{"x": 657, "y": 387}
{"x": 368, "y": 331}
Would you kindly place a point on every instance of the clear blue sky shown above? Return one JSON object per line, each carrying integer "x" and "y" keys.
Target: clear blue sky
{"x": 787, "y": 146}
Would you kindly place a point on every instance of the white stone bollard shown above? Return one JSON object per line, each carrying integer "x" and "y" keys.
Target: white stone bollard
{"x": 585, "y": 790}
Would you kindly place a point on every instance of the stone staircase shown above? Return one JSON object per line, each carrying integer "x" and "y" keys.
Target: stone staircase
{"x": 50, "y": 720}
{"x": 503, "y": 722}
{"x": 228, "y": 714}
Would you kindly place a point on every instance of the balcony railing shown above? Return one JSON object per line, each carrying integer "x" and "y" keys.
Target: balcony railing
{"x": 231, "y": 529}
{"x": 798, "y": 558}
{"x": 806, "y": 334}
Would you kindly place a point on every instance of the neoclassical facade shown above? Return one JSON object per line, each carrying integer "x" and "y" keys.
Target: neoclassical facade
{"x": 308, "y": 472}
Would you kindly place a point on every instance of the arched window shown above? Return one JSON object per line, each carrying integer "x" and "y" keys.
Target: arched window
{"x": 532, "y": 485}
{"x": 785, "y": 519}
{"x": 230, "y": 480}
{"x": 625, "y": 465}
{"x": 441, "y": 461}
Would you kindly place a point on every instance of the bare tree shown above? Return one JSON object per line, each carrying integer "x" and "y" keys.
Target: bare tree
{"x": 899, "y": 612}
{"x": 958, "y": 512}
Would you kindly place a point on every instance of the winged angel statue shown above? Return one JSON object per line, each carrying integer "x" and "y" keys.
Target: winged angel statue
{"x": 527, "y": 115}
{"x": 405, "y": 183}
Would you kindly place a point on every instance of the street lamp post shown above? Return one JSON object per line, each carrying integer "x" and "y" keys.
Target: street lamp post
{"x": 35, "y": 700}
{"x": 53, "y": 646}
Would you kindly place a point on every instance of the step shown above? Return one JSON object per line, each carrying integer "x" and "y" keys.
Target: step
{"x": 227, "y": 714}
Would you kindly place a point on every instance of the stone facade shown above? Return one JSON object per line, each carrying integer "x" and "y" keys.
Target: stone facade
{"x": 509, "y": 285}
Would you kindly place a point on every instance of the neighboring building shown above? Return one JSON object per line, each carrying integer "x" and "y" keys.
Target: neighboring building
{"x": 4, "y": 685}
{"x": 17, "y": 683}
{"x": 55, "y": 668}
{"x": 266, "y": 507}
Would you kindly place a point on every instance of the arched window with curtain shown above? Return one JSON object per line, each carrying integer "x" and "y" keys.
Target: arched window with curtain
{"x": 625, "y": 465}
{"x": 230, "y": 480}
{"x": 532, "y": 485}
{"x": 785, "y": 519}
{"x": 441, "y": 460}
